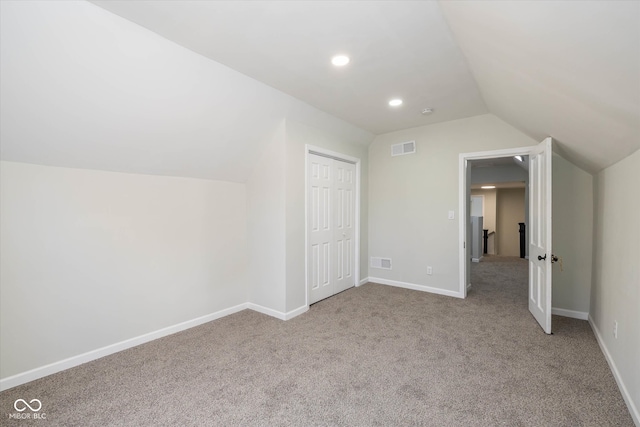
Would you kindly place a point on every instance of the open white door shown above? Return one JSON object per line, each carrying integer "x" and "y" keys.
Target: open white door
{"x": 540, "y": 234}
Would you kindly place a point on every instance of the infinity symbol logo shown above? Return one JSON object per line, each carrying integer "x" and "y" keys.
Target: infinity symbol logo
{"x": 26, "y": 405}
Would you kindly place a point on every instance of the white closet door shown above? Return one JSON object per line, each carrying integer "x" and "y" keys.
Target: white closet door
{"x": 331, "y": 227}
{"x": 320, "y": 200}
{"x": 344, "y": 230}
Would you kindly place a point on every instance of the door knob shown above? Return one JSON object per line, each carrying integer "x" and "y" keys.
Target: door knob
{"x": 542, "y": 258}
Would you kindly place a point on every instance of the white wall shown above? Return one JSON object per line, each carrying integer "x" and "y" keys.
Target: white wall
{"x": 91, "y": 258}
{"x": 266, "y": 226}
{"x": 74, "y": 73}
{"x": 572, "y": 235}
{"x": 330, "y": 138}
{"x": 489, "y": 214}
{"x": 615, "y": 295}
{"x": 409, "y": 197}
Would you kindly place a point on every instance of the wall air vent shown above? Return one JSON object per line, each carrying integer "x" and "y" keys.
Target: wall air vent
{"x": 403, "y": 148}
{"x": 383, "y": 263}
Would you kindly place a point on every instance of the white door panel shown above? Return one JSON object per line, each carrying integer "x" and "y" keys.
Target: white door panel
{"x": 331, "y": 233}
{"x": 540, "y": 234}
{"x": 344, "y": 233}
{"x": 320, "y": 228}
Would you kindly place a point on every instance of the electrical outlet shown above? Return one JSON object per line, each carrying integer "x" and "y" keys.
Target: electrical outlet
{"x": 615, "y": 329}
{"x": 429, "y": 270}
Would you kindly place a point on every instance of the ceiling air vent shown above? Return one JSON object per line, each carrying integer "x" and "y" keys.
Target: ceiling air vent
{"x": 403, "y": 148}
{"x": 384, "y": 263}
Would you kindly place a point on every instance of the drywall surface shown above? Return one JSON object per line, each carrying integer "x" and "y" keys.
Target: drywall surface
{"x": 92, "y": 258}
{"x": 572, "y": 235}
{"x": 510, "y": 206}
{"x": 410, "y": 196}
{"x": 615, "y": 294}
{"x": 266, "y": 226}
{"x": 73, "y": 72}
{"x": 330, "y": 138}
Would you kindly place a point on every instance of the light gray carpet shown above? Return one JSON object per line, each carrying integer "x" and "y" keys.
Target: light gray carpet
{"x": 371, "y": 356}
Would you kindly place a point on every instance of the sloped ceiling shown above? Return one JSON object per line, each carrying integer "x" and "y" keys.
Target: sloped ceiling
{"x": 82, "y": 87}
{"x": 398, "y": 49}
{"x": 568, "y": 69}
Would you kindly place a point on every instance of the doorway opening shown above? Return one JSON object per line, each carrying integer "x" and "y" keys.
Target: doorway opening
{"x": 539, "y": 218}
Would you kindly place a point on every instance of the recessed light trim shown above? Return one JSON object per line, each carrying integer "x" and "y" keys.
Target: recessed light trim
{"x": 396, "y": 102}
{"x": 340, "y": 60}
{"x": 488, "y": 187}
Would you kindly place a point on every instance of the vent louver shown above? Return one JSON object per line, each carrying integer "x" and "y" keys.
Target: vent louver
{"x": 403, "y": 148}
{"x": 383, "y": 263}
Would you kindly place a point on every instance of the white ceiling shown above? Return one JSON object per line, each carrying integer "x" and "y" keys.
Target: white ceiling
{"x": 84, "y": 88}
{"x": 397, "y": 49}
{"x": 568, "y": 69}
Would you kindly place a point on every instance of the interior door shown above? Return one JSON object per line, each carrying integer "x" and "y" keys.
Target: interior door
{"x": 320, "y": 233}
{"x": 344, "y": 231}
{"x": 540, "y": 234}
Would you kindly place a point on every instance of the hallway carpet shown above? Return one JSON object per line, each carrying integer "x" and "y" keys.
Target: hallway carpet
{"x": 370, "y": 356}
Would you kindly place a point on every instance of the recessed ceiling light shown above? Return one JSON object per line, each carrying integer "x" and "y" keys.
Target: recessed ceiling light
{"x": 340, "y": 60}
{"x": 395, "y": 102}
{"x": 488, "y": 187}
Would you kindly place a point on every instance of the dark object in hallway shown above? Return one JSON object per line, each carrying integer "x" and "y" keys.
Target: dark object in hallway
{"x": 522, "y": 239}
{"x": 485, "y": 239}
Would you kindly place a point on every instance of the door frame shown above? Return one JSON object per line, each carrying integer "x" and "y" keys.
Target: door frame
{"x": 464, "y": 190}
{"x": 312, "y": 149}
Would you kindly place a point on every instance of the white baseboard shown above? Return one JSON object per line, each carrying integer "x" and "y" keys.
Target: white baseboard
{"x": 52, "y": 368}
{"x": 570, "y": 313}
{"x": 275, "y": 313}
{"x": 363, "y": 281}
{"x": 616, "y": 374}
{"x": 415, "y": 287}
{"x": 297, "y": 312}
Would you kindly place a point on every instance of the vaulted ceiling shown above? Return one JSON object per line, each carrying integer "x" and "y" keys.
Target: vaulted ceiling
{"x": 568, "y": 69}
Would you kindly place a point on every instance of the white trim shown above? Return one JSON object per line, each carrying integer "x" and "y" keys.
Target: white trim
{"x": 616, "y": 374}
{"x": 338, "y": 156}
{"x": 363, "y": 281}
{"x": 415, "y": 287}
{"x": 52, "y": 368}
{"x": 462, "y": 201}
{"x": 277, "y": 314}
{"x": 570, "y": 313}
{"x": 297, "y": 312}
{"x": 73, "y": 361}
